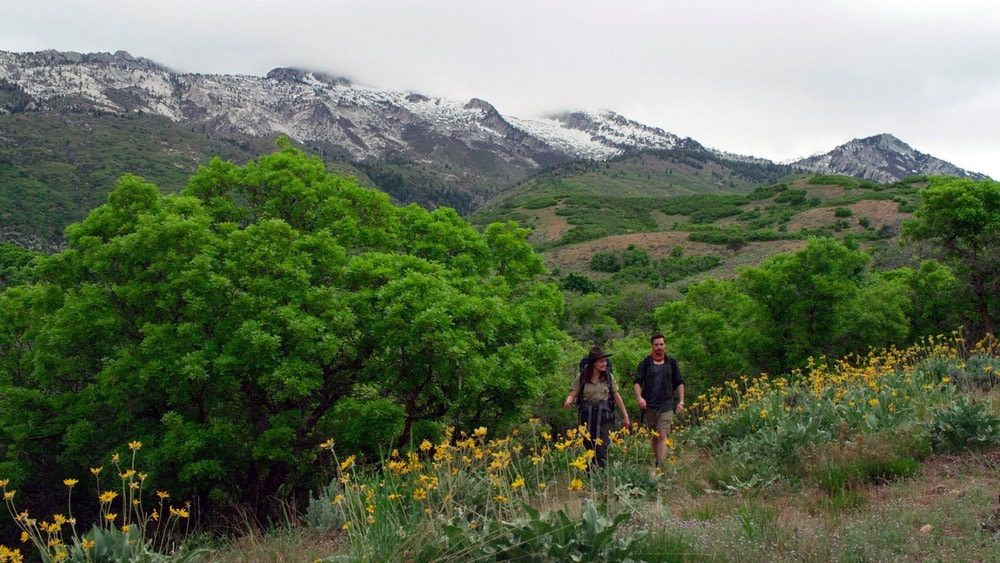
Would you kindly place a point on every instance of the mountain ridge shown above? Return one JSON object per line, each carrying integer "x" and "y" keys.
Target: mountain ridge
{"x": 72, "y": 123}
{"x": 363, "y": 123}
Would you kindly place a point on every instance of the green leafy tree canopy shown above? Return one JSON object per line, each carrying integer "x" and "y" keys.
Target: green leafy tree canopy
{"x": 223, "y": 326}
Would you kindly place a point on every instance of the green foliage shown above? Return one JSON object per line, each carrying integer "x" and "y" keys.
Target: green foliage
{"x": 606, "y": 261}
{"x": 541, "y": 203}
{"x": 57, "y": 169}
{"x": 834, "y": 180}
{"x": 842, "y": 212}
{"x": 793, "y": 196}
{"x": 704, "y": 208}
{"x": 963, "y": 425}
{"x": 937, "y": 298}
{"x": 352, "y": 420}
{"x": 578, "y": 283}
{"x": 716, "y": 331}
{"x": 552, "y": 536}
{"x": 14, "y": 262}
{"x": 962, "y": 217}
{"x": 819, "y": 301}
{"x": 841, "y": 475}
{"x": 634, "y": 265}
{"x": 227, "y": 324}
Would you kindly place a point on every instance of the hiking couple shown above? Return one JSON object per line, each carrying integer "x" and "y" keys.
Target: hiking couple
{"x": 659, "y": 390}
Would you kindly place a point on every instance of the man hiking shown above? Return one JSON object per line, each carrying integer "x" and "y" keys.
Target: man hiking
{"x": 659, "y": 390}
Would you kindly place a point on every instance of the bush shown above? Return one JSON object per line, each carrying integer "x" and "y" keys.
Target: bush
{"x": 964, "y": 425}
{"x": 354, "y": 419}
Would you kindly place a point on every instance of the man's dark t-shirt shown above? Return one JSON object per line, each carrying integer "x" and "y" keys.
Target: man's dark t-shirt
{"x": 658, "y": 382}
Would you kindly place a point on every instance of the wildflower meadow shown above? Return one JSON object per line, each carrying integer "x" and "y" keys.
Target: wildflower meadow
{"x": 819, "y": 464}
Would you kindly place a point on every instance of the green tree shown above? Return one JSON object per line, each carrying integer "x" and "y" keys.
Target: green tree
{"x": 817, "y": 300}
{"x": 962, "y": 217}
{"x": 938, "y": 298}
{"x": 222, "y": 327}
{"x": 14, "y": 262}
{"x": 717, "y": 331}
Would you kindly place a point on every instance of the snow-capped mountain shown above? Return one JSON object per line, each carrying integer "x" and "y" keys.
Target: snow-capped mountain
{"x": 362, "y": 122}
{"x": 882, "y": 158}
{"x": 465, "y": 152}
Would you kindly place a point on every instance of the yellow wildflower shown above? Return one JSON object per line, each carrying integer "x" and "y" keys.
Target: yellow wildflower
{"x": 575, "y": 485}
{"x": 162, "y": 494}
{"x": 517, "y": 484}
{"x": 347, "y": 462}
{"x": 134, "y": 446}
{"x": 89, "y": 544}
{"x": 96, "y": 470}
{"x": 327, "y": 444}
{"x": 108, "y": 496}
{"x": 110, "y": 517}
{"x": 480, "y": 432}
{"x": 9, "y": 494}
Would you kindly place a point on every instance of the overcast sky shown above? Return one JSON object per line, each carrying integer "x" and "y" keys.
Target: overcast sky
{"x": 777, "y": 79}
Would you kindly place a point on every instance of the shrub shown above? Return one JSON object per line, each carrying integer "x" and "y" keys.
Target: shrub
{"x": 963, "y": 425}
{"x": 355, "y": 419}
{"x": 793, "y": 196}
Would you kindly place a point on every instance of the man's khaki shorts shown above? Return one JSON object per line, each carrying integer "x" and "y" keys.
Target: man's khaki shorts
{"x": 661, "y": 421}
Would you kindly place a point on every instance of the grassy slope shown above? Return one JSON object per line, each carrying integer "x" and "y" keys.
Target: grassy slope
{"x": 577, "y": 211}
{"x": 56, "y": 166}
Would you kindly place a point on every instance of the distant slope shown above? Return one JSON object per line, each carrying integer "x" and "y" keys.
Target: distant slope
{"x": 57, "y": 165}
{"x": 589, "y": 200}
{"x": 578, "y": 211}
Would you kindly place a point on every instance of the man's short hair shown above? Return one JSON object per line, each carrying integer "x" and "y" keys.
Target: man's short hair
{"x": 657, "y": 335}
